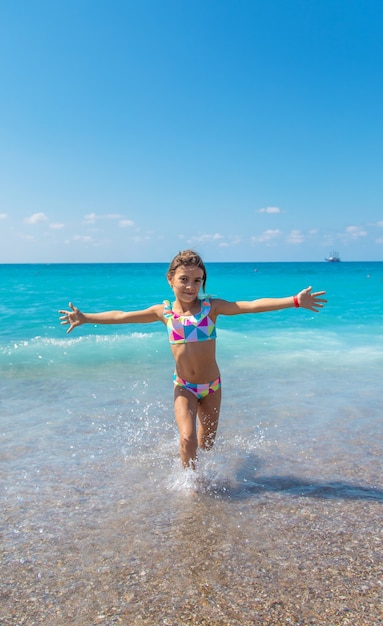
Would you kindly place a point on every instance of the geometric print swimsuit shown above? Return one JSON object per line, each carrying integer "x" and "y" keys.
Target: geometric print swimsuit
{"x": 185, "y": 328}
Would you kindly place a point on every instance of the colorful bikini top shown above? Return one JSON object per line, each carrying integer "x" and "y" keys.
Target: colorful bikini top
{"x": 185, "y": 328}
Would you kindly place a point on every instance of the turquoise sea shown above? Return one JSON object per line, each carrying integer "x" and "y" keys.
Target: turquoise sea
{"x": 281, "y": 521}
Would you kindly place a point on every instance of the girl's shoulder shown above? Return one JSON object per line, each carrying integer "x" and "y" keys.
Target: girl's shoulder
{"x": 157, "y": 309}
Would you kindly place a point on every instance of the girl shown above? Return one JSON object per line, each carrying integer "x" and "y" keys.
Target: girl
{"x": 190, "y": 321}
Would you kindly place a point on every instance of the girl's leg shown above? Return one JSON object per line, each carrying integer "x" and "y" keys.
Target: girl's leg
{"x": 185, "y": 409}
{"x": 208, "y": 415}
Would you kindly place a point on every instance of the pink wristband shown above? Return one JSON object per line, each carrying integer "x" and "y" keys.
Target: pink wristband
{"x": 296, "y": 302}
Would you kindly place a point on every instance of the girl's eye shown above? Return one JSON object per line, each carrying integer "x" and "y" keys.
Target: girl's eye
{"x": 185, "y": 279}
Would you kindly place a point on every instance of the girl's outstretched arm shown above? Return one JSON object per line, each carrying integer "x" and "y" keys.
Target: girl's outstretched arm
{"x": 75, "y": 317}
{"x": 305, "y": 299}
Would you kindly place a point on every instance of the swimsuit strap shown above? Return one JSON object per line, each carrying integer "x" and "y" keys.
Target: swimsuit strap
{"x": 167, "y": 308}
{"x": 205, "y": 304}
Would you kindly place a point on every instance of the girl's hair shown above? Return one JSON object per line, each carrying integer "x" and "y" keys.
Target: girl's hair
{"x": 187, "y": 258}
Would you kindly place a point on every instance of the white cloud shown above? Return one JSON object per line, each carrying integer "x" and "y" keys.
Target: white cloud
{"x": 296, "y": 236}
{"x": 379, "y": 241}
{"x": 201, "y": 239}
{"x": 354, "y": 232}
{"x": 83, "y": 238}
{"x": 88, "y": 241}
{"x": 90, "y": 218}
{"x": 233, "y": 241}
{"x": 3, "y": 216}
{"x": 267, "y": 235}
{"x": 125, "y": 223}
{"x": 217, "y": 238}
{"x": 269, "y": 209}
{"x": 35, "y": 218}
{"x": 56, "y": 226}
{"x": 380, "y": 224}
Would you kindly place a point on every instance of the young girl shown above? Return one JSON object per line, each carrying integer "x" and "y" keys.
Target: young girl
{"x": 190, "y": 321}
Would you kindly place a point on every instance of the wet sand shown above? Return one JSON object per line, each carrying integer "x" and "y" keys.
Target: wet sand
{"x": 262, "y": 550}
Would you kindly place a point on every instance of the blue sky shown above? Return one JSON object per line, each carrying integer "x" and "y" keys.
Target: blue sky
{"x": 251, "y": 130}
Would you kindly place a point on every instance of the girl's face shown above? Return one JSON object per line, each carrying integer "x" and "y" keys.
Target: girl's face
{"x": 186, "y": 282}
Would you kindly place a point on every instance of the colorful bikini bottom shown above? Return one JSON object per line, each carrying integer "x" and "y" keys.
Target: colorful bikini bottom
{"x": 199, "y": 391}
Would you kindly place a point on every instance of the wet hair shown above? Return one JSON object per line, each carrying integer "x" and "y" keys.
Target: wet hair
{"x": 187, "y": 258}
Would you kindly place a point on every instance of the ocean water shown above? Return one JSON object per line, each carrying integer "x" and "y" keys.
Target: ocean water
{"x": 100, "y": 525}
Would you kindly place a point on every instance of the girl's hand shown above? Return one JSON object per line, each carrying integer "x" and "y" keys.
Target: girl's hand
{"x": 73, "y": 317}
{"x": 312, "y": 301}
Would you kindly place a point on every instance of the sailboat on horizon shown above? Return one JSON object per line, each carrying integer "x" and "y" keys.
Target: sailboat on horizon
{"x": 333, "y": 257}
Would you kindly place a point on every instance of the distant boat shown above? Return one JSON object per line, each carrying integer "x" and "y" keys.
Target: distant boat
{"x": 333, "y": 257}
